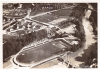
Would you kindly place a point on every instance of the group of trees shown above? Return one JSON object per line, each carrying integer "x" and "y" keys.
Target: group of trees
{"x": 76, "y": 47}
{"x": 10, "y": 5}
{"x": 15, "y": 44}
{"x": 93, "y": 56}
{"x": 93, "y": 18}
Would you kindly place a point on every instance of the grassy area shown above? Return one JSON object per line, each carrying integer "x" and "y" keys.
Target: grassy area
{"x": 38, "y": 54}
{"x": 34, "y": 12}
{"x": 46, "y": 18}
{"x": 63, "y": 12}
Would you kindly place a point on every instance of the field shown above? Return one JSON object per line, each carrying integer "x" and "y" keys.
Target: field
{"x": 38, "y": 54}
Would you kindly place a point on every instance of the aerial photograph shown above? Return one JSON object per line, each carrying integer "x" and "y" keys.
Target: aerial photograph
{"x": 49, "y": 35}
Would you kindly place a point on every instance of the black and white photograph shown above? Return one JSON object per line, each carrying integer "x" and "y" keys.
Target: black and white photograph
{"x": 50, "y": 35}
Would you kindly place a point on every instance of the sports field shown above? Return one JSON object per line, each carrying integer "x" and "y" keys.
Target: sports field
{"x": 39, "y": 53}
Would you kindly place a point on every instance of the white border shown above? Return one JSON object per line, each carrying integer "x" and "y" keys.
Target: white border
{"x": 47, "y": 1}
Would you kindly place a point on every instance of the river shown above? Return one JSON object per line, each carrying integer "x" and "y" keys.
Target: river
{"x": 89, "y": 41}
